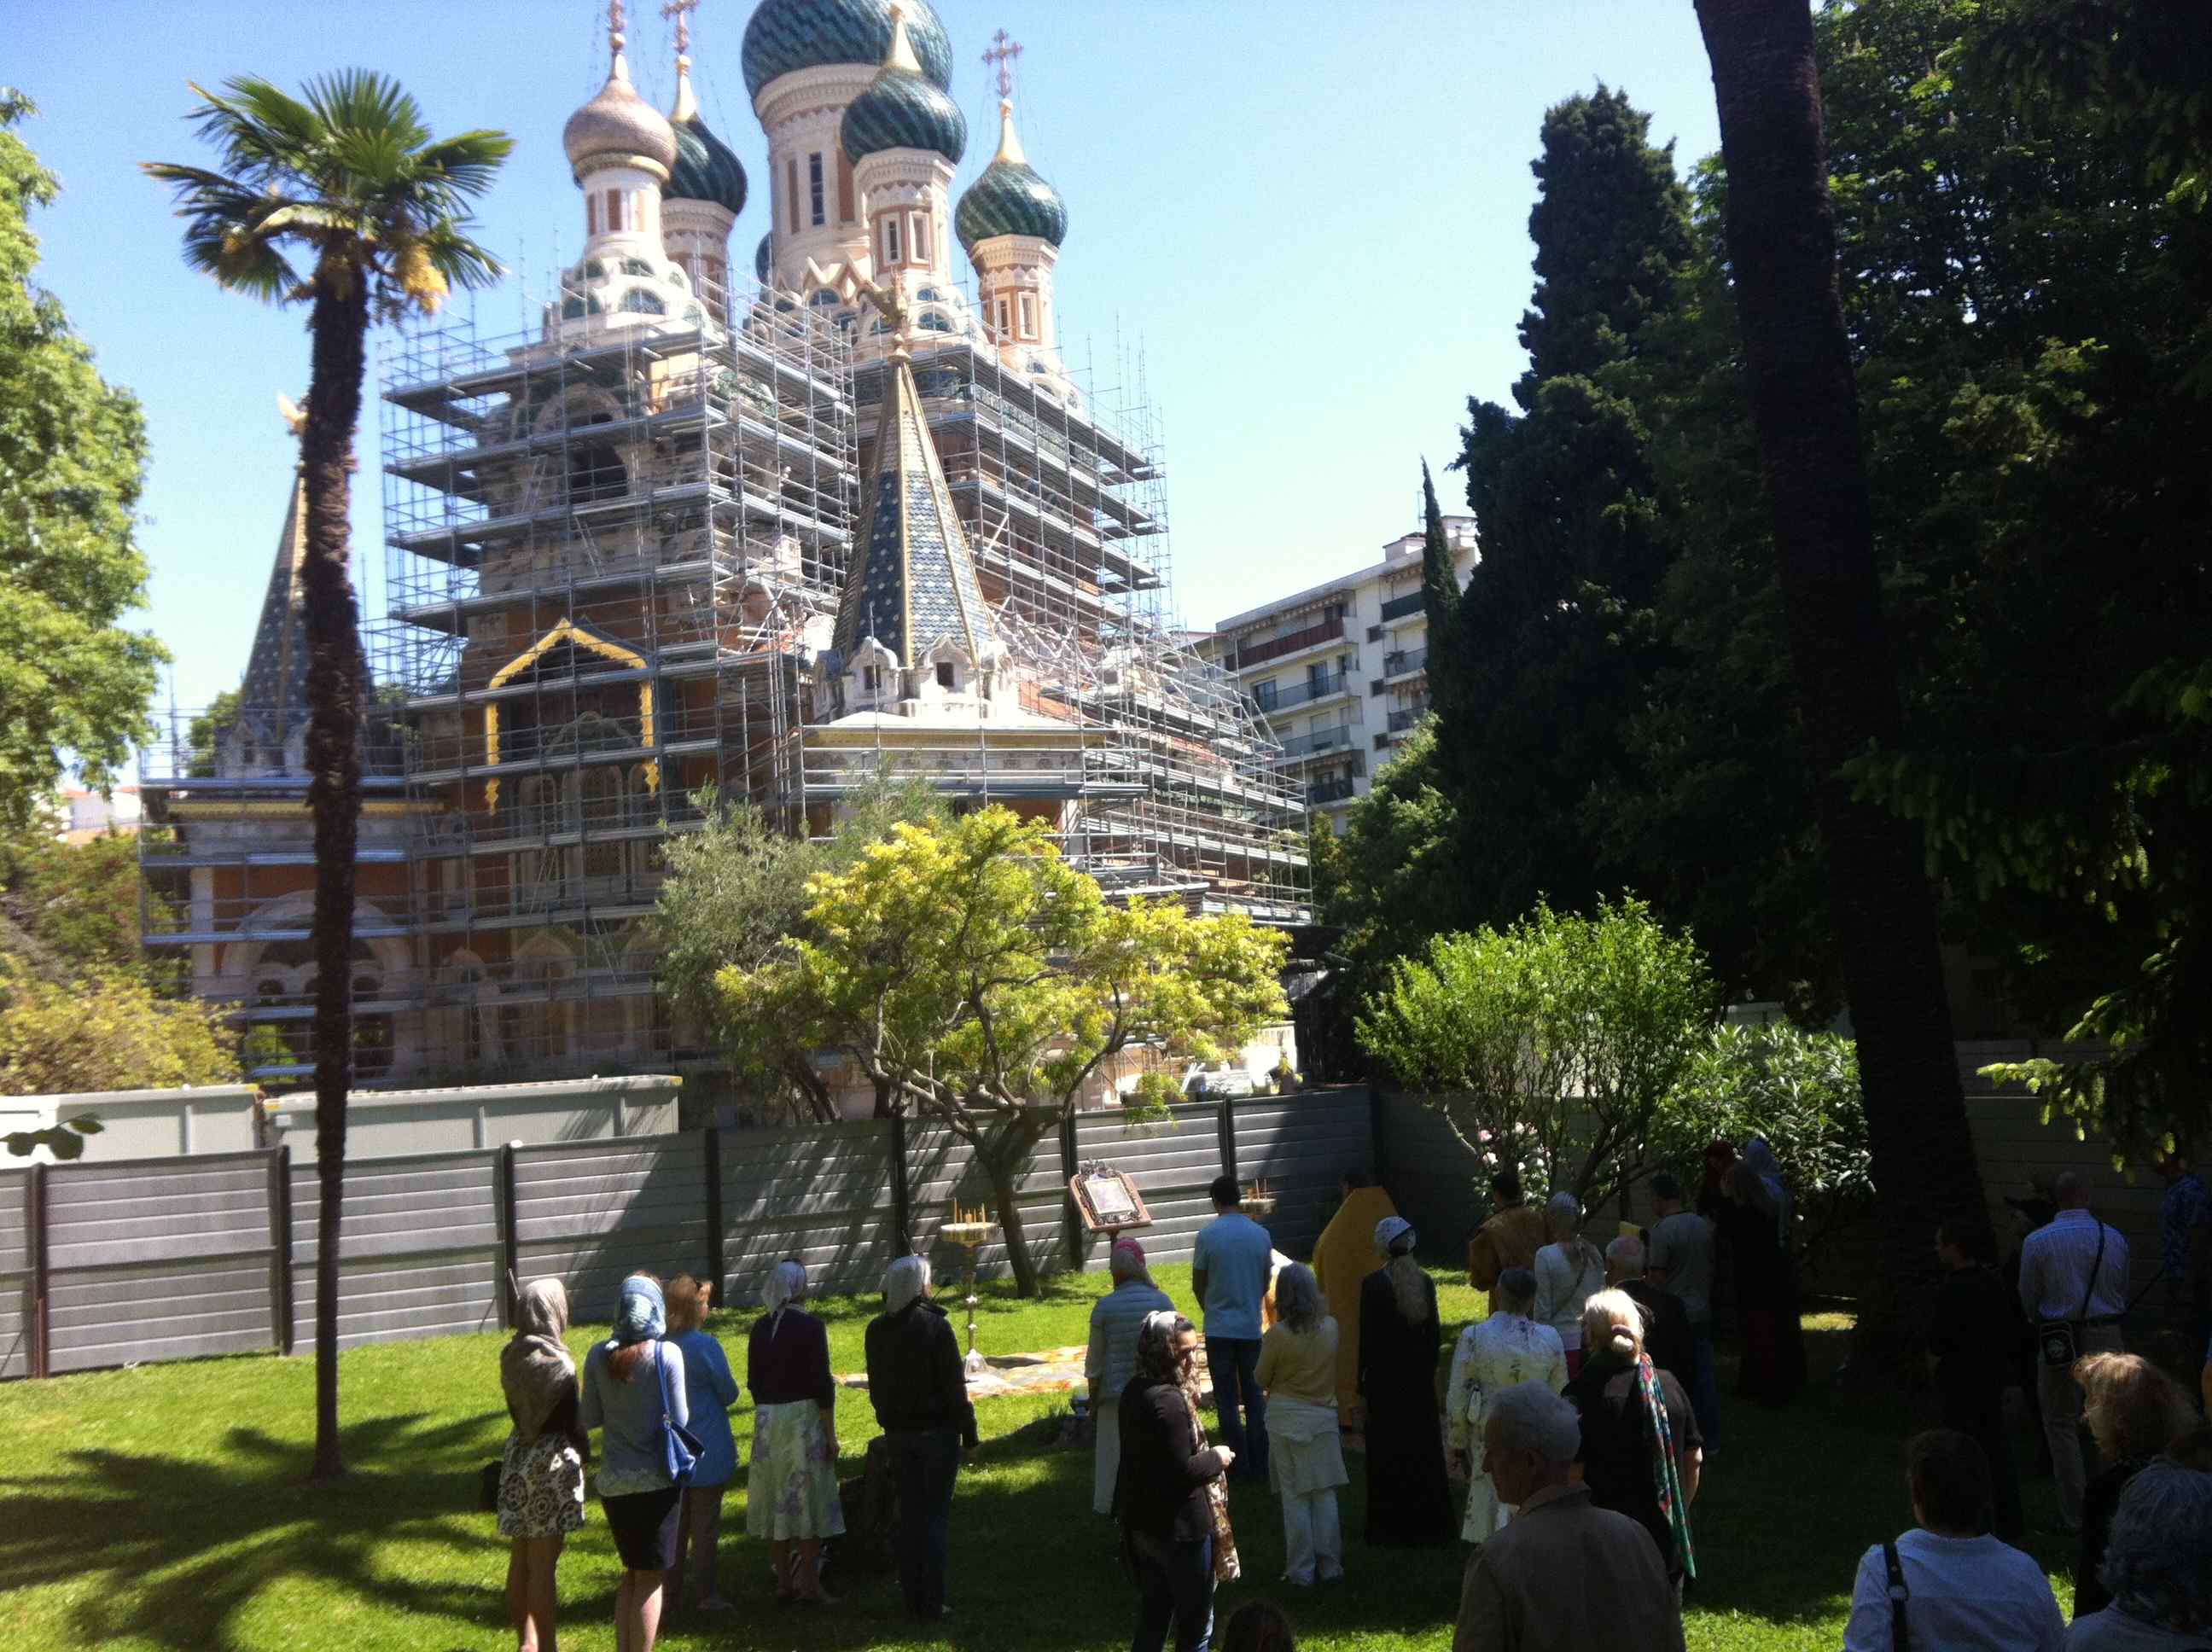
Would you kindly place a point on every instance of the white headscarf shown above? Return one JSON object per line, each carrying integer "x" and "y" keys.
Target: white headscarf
{"x": 904, "y": 1281}
{"x": 1387, "y": 1232}
{"x": 787, "y": 1281}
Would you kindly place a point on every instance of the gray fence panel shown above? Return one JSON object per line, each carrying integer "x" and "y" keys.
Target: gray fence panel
{"x": 821, "y": 1194}
{"x": 941, "y": 1167}
{"x": 1172, "y": 1165}
{"x": 1430, "y": 1174}
{"x": 419, "y": 1249}
{"x": 1301, "y": 1145}
{"x": 588, "y": 1213}
{"x": 18, "y": 1273}
{"x": 159, "y": 1258}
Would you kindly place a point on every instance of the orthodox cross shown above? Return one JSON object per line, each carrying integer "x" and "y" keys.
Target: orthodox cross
{"x": 615, "y": 19}
{"x": 1004, "y": 50}
{"x": 681, "y": 11}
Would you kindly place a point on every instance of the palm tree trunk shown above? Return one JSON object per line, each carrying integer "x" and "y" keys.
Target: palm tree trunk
{"x": 339, "y": 329}
{"x": 1782, "y": 250}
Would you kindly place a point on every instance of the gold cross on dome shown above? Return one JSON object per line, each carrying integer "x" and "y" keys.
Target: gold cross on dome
{"x": 1003, "y": 51}
{"x": 681, "y": 11}
{"x": 616, "y": 20}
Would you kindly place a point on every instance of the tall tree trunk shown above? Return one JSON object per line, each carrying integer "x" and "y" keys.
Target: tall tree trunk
{"x": 1003, "y": 1154}
{"x": 339, "y": 330}
{"x": 1781, "y": 239}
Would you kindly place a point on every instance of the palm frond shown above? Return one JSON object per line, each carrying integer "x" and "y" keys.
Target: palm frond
{"x": 362, "y": 101}
{"x": 241, "y": 260}
{"x": 468, "y": 161}
{"x": 263, "y": 132}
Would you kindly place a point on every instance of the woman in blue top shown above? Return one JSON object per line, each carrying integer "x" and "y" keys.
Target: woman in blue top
{"x": 625, "y": 1379}
{"x": 710, "y": 1391}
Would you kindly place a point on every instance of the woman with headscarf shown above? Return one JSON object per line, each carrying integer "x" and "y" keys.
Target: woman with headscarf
{"x": 920, "y": 1391}
{"x": 1569, "y": 1271}
{"x": 1400, "y": 1336}
{"x": 1494, "y": 1355}
{"x": 633, "y": 1382}
{"x": 1115, "y": 1319}
{"x": 1170, "y": 1491}
{"x": 1641, "y": 1448}
{"x": 791, "y": 1497}
{"x": 541, "y": 1476}
{"x": 1753, "y": 1212}
{"x": 1305, "y": 1458}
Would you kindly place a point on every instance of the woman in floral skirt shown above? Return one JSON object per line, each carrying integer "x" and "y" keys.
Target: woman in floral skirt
{"x": 791, "y": 1495}
{"x": 541, "y": 1478}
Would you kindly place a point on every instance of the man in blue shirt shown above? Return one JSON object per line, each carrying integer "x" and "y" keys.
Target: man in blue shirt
{"x": 1229, "y": 1277}
{"x": 2184, "y": 1232}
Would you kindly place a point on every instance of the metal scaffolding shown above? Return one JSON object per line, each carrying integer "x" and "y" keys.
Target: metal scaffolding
{"x": 614, "y": 545}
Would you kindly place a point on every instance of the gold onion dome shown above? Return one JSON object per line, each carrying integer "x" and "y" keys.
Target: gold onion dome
{"x": 619, "y": 124}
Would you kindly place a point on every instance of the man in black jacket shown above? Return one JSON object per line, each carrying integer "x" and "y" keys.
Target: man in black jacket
{"x": 920, "y": 1396}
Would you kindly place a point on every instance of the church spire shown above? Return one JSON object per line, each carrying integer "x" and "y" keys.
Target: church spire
{"x": 273, "y": 696}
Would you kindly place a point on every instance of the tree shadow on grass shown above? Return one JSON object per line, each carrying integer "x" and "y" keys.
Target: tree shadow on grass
{"x": 177, "y": 1549}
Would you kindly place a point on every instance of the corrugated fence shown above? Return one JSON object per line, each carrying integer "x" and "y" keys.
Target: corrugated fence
{"x": 112, "y": 1264}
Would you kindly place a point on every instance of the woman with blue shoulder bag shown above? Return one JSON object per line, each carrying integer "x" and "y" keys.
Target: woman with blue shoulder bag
{"x": 633, "y": 1392}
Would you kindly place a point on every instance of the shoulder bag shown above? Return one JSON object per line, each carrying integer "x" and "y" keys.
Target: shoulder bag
{"x": 2060, "y": 1340}
{"x": 1900, "y": 1633}
{"x": 680, "y": 1447}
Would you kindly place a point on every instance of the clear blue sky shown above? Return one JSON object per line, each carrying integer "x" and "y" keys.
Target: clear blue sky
{"x": 1314, "y": 216}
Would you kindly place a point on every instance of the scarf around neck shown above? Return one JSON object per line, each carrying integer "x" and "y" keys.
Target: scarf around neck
{"x": 1666, "y": 1466}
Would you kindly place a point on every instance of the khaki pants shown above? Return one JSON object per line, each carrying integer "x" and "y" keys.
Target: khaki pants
{"x": 2062, "y": 1422}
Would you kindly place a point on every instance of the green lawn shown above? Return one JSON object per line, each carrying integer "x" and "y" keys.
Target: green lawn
{"x": 163, "y": 1508}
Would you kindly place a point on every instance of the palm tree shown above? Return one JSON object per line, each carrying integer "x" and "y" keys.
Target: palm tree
{"x": 340, "y": 199}
{"x": 1782, "y": 250}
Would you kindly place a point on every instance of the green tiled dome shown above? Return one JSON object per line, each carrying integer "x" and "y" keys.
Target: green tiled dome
{"x": 705, "y": 169}
{"x": 1009, "y": 198}
{"x": 759, "y": 260}
{"x": 787, "y": 35}
{"x": 901, "y": 110}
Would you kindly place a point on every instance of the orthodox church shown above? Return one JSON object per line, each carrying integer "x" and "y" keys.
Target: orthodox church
{"x": 693, "y": 540}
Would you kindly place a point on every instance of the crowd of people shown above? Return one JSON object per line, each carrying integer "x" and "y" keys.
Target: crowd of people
{"x": 1578, "y": 1417}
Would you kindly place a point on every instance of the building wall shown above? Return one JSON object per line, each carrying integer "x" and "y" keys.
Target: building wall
{"x": 1339, "y": 670}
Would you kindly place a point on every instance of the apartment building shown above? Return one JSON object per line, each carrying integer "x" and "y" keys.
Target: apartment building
{"x": 1339, "y": 671}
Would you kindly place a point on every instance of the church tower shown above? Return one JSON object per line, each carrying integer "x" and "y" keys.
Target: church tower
{"x": 904, "y": 137}
{"x": 1011, "y": 223}
{"x": 706, "y": 188}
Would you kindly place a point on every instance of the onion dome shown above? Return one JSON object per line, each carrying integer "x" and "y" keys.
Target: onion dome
{"x": 1009, "y": 198}
{"x": 705, "y": 168}
{"x": 903, "y": 108}
{"x": 787, "y": 35}
{"x": 618, "y": 122}
{"x": 761, "y": 260}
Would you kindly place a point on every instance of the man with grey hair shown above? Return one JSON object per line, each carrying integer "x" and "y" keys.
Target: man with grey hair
{"x": 1566, "y": 1576}
{"x": 2158, "y": 1564}
{"x": 1666, "y": 1335}
{"x": 920, "y": 1391}
{"x": 2074, "y": 1284}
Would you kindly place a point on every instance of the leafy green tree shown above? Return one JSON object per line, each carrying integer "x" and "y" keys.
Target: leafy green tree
{"x": 204, "y": 735}
{"x": 1804, "y": 403}
{"x": 106, "y": 1032}
{"x": 74, "y": 682}
{"x": 736, "y": 890}
{"x": 342, "y": 200}
{"x": 1554, "y": 1046}
{"x": 1799, "y": 1091}
{"x": 978, "y": 980}
{"x": 80, "y": 901}
{"x": 1551, "y": 641}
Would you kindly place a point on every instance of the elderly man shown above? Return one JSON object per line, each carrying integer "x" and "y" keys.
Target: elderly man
{"x": 1680, "y": 1261}
{"x": 2155, "y": 1567}
{"x": 2074, "y": 1284}
{"x": 1111, "y": 1359}
{"x": 1566, "y": 1576}
{"x": 1666, "y": 1335}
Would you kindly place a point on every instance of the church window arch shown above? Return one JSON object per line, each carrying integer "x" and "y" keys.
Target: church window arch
{"x": 638, "y": 302}
{"x": 600, "y": 790}
{"x": 635, "y": 267}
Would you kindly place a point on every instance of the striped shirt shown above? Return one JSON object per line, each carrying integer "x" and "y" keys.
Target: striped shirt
{"x": 2054, "y": 1269}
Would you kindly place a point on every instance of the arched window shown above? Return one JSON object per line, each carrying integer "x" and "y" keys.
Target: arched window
{"x": 934, "y": 321}
{"x": 635, "y": 267}
{"x": 638, "y": 302}
{"x": 601, "y": 790}
{"x": 596, "y": 471}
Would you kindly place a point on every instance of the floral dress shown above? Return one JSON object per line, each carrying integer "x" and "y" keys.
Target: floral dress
{"x": 541, "y": 1486}
{"x": 1493, "y": 1355}
{"x": 792, "y": 1490}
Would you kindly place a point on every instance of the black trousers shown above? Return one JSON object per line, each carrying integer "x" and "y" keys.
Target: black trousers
{"x": 925, "y": 1463}
{"x": 1175, "y": 1586}
{"x": 1978, "y": 1413}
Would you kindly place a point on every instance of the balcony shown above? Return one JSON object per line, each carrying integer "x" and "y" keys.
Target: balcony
{"x": 1259, "y": 653}
{"x": 1399, "y": 607}
{"x": 1314, "y": 741}
{"x": 1404, "y": 663}
{"x": 1335, "y": 789}
{"x": 1267, "y": 698}
{"x": 1405, "y": 717}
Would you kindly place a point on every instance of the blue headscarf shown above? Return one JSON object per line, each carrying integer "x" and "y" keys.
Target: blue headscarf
{"x": 643, "y": 1315}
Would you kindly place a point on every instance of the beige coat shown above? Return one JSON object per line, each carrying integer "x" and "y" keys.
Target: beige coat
{"x": 1567, "y": 1576}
